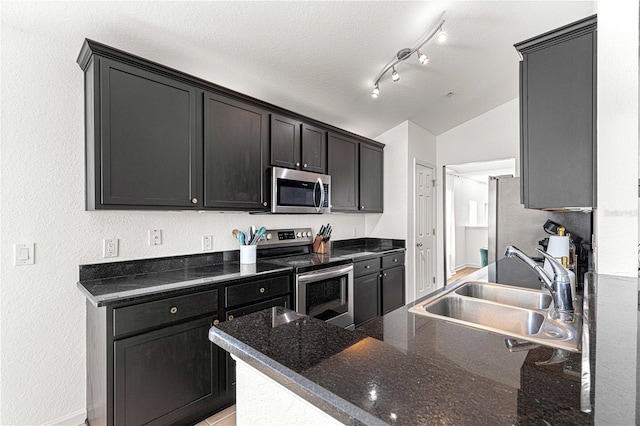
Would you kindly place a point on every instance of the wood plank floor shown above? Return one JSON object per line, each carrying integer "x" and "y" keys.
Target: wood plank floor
{"x": 461, "y": 274}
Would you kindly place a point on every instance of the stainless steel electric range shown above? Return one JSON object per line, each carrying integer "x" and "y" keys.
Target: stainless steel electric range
{"x": 323, "y": 284}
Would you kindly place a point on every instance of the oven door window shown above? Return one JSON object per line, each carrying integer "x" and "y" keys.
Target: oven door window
{"x": 296, "y": 193}
{"x": 328, "y": 298}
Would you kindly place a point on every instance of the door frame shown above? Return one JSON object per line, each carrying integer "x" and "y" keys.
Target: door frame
{"x": 412, "y": 239}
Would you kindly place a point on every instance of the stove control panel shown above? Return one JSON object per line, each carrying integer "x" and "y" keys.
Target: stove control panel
{"x": 286, "y": 237}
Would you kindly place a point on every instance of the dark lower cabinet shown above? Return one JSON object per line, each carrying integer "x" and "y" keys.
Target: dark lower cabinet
{"x": 392, "y": 289}
{"x": 284, "y": 301}
{"x": 236, "y": 154}
{"x": 171, "y": 375}
{"x": 378, "y": 286}
{"x": 366, "y": 298}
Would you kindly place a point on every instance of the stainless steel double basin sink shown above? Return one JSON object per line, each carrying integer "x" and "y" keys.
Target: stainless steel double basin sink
{"x": 516, "y": 312}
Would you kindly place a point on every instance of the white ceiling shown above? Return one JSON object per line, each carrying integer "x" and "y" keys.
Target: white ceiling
{"x": 320, "y": 58}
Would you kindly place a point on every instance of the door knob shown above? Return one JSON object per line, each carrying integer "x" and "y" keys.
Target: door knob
{"x": 419, "y": 244}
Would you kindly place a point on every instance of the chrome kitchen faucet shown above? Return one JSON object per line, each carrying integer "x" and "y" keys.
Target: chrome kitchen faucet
{"x": 559, "y": 287}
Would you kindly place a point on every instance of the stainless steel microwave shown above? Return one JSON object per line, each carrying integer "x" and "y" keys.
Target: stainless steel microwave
{"x": 294, "y": 191}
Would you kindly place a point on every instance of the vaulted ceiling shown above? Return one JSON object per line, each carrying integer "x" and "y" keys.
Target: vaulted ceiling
{"x": 320, "y": 58}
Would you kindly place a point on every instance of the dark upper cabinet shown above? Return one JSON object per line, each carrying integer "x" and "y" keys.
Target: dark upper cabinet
{"x": 285, "y": 142}
{"x": 371, "y": 176}
{"x": 157, "y": 138}
{"x": 314, "y": 149}
{"x": 236, "y": 153}
{"x": 356, "y": 170}
{"x": 142, "y": 144}
{"x": 558, "y": 117}
{"x": 297, "y": 145}
{"x": 163, "y": 376}
{"x": 343, "y": 169}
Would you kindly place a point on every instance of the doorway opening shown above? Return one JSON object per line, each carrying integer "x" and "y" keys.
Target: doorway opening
{"x": 466, "y": 214}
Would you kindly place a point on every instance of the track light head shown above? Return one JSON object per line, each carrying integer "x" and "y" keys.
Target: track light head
{"x": 423, "y": 58}
{"x": 394, "y": 75}
{"x": 442, "y": 36}
{"x": 376, "y": 91}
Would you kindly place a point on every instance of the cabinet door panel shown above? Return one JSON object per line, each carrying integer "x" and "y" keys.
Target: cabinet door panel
{"x": 392, "y": 289}
{"x": 558, "y": 123}
{"x": 343, "y": 169}
{"x": 314, "y": 149}
{"x": 371, "y": 176}
{"x": 236, "y": 154}
{"x": 160, "y": 377}
{"x": 148, "y": 138}
{"x": 285, "y": 142}
{"x": 366, "y": 301}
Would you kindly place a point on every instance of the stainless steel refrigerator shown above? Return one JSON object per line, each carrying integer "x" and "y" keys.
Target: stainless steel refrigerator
{"x": 511, "y": 224}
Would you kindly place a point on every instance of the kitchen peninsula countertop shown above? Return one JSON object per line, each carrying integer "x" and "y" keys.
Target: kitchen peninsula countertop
{"x": 407, "y": 369}
{"x": 106, "y": 284}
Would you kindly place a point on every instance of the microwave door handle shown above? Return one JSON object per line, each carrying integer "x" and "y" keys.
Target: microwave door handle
{"x": 319, "y": 207}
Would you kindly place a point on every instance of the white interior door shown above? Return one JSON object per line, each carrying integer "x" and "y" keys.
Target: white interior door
{"x": 424, "y": 228}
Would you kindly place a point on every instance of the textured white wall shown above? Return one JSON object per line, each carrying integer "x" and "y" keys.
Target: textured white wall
{"x": 42, "y": 363}
{"x": 405, "y": 143}
{"x": 393, "y": 222}
{"x": 494, "y": 135}
{"x": 616, "y": 218}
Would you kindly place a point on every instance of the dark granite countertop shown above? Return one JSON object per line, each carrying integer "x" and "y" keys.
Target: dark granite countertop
{"x": 407, "y": 369}
{"x": 119, "y": 282}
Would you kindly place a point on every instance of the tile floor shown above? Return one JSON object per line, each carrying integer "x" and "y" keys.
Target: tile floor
{"x": 226, "y": 417}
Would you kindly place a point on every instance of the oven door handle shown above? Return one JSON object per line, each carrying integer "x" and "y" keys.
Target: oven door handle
{"x": 325, "y": 273}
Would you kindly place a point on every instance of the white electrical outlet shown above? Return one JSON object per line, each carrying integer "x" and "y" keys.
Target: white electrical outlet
{"x": 207, "y": 242}
{"x": 23, "y": 254}
{"x": 155, "y": 237}
{"x": 110, "y": 247}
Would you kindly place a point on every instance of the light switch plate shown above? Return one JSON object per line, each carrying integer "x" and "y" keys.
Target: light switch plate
{"x": 24, "y": 254}
{"x": 207, "y": 242}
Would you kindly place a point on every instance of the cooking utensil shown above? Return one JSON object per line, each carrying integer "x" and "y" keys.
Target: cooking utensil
{"x": 235, "y": 233}
{"x": 241, "y": 238}
{"x": 257, "y": 236}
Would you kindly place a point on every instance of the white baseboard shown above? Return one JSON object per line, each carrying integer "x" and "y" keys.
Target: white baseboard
{"x": 467, "y": 265}
{"x": 73, "y": 419}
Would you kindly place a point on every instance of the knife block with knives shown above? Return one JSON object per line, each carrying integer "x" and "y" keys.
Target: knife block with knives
{"x": 321, "y": 243}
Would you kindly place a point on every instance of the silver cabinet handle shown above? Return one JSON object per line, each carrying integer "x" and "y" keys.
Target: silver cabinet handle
{"x": 395, "y": 259}
{"x": 361, "y": 207}
{"x": 173, "y": 310}
{"x": 216, "y": 322}
{"x": 305, "y": 165}
{"x": 194, "y": 200}
{"x": 419, "y": 244}
{"x": 297, "y": 164}
{"x": 261, "y": 289}
{"x": 264, "y": 203}
{"x": 230, "y": 317}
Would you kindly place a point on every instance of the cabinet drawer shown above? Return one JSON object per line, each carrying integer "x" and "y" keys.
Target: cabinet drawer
{"x": 392, "y": 260}
{"x": 365, "y": 267}
{"x": 257, "y": 290}
{"x": 284, "y": 301}
{"x": 153, "y": 314}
